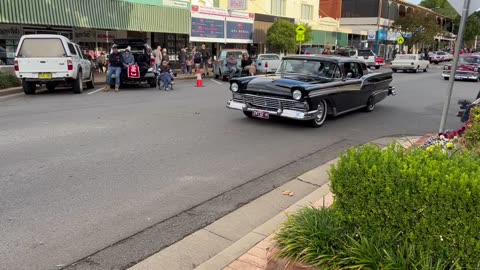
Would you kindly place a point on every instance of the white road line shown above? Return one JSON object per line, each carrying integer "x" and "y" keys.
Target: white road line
{"x": 98, "y": 90}
{"x": 216, "y": 81}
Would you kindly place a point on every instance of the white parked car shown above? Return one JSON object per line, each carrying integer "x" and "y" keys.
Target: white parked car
{"x": 366, "y": 55}
{"x": 268, "y": 63}
{"x": 410, "y": 62}
{"x": 52, "y": 60}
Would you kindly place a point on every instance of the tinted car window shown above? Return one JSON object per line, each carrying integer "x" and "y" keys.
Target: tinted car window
{"x": 71, "y": 48}
{"x": 45, "y": 47}
{"x": 405, "y": 57}
{"x": 365, "y": 53}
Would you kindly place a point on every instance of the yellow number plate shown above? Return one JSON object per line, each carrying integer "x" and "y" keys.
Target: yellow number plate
{"x": 44, "y": 75}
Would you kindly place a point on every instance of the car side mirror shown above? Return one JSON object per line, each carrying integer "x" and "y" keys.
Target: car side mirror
{"x": 349, "y": 75}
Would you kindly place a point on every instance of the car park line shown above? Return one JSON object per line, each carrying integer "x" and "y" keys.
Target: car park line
{"x": 95, "y": 91}
{"x": 213, "y": 80}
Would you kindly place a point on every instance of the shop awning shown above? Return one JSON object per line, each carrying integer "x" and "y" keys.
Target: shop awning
{"x": 105, "y": 14}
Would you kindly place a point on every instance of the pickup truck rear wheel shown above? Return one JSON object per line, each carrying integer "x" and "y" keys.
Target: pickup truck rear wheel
{"x": 91, "y": 82}
{"x": 78, "y": 84}
{"x": 29, "y": 88}
{"x": 51, "y": 87}
{"x": 320, "y": 116}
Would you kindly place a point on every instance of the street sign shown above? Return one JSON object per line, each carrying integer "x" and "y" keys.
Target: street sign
{"x": 300, "y": 29}
{"x": 407, "y": 35}
{"x": 458, "y": 5}
{"x": 300, "y": 37}
{"x": 400, "y": 40}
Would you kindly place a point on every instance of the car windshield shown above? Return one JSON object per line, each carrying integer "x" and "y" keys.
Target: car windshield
{"x": 469, "y": 60}
{"x": 440, "y": 53}
{"x": 269, "y": 57}
{"x": 365, "y": 53}
{"x": 317, "y": 68}
{"x": 405, "y": 57}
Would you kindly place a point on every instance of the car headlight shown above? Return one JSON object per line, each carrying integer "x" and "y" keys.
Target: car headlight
{"x": 234, "y": 87}
{"x": 475, "y": 69}
{"x": 297, "y": 94}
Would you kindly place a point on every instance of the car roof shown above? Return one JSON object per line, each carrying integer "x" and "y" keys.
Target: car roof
{"x": 337, "y": 59}
{"x": 40, "y": 36}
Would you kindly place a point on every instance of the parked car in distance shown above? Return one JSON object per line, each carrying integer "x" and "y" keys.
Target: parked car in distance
{"x": 52, "y": 60}
{"x": 139, "y": 49}
{"x": 467, "y": 69}
{"x": 366, "y": 55}
{"x": 219, "y": 68}
{"x": 410, "y": 62}
{"x": 308, "y": 88}
{"x": 439, "y": 56}
{"x": 267, "y": 63}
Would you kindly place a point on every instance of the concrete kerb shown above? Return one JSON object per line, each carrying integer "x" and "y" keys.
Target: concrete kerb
{"x": 234, "y": 234}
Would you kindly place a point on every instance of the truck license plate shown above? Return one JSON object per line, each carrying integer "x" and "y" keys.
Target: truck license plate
{"x": 44, "y": 75}
{"x": 261, "y": 114}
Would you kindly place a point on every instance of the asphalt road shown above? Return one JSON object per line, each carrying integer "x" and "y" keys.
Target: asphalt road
{"x": 79, "y": 173}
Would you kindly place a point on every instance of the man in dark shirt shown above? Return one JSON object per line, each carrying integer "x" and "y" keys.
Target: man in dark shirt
{"x": 114, "y": 66}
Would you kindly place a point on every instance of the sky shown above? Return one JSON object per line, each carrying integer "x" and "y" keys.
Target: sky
{"x": 414, "y": 1}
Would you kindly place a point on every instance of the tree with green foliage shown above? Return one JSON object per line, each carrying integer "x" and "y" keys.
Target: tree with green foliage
{"x": 282, "y": 36}
{"x": 421, "y": 25}
{"x": 444, "y": 8}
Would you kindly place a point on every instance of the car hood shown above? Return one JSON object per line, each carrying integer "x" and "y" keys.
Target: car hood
{"x": 466, "y": 67}
{"x": 280, "y": 85}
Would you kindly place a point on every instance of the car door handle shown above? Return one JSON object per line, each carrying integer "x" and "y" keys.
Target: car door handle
{"x": 42, "y": 62}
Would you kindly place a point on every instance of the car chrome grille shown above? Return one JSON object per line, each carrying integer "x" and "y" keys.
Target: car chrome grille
{"x": 273, "y": 103}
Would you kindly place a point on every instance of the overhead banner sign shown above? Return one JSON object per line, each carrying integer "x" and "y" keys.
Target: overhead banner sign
{"x": 237, "y": 4}
{"x": 219, "y": 25}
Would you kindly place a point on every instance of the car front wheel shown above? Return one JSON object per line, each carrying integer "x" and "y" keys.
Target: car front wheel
{"x": 320, "y": 116}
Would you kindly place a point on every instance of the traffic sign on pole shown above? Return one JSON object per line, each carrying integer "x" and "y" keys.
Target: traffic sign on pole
{"x": 300, "y": 37}
{"x": 300, "y": 29}
{"x": 400, "y": 40}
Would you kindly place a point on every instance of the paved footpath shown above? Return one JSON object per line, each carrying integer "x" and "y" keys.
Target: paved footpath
{"x": 212, "y": 248}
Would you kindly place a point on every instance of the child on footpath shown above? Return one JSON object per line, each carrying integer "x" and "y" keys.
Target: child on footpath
{"x": 189, "y": 64}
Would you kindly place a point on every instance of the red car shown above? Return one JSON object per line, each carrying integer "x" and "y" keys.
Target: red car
{"x": 467, "y": 69}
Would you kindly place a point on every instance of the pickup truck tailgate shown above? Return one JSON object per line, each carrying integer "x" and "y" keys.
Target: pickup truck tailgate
{"x": 50, "y": 64}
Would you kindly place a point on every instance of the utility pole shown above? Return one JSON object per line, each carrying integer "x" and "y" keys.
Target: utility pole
{"x": 451, "y": 82}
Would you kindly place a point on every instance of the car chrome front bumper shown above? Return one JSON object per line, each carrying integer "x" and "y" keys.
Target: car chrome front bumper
{"x": 286, "y": 113}
{"x": 464, "y": 76}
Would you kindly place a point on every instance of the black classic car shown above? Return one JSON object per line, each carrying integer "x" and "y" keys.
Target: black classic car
{"x": 308, "y": 88}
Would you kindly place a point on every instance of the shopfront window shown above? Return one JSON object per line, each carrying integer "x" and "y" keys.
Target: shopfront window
{"x": 278, "y": 7}
{"x": 9, "y": 37}
{"x": 307, "y": 12}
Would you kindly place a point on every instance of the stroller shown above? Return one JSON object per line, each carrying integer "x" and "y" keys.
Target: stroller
{"x": 161, "y": 80}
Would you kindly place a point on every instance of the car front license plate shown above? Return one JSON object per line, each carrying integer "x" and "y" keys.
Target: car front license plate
{"x": 44, "y": 75}
{"x": 261, "y": 114}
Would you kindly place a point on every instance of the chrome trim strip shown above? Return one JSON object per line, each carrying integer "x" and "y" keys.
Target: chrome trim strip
{"x": 352, "y": 109}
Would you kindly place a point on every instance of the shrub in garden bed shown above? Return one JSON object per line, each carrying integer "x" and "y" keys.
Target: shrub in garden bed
{"x": 430, "y": 198}
{"x": 394, "y": 209}
{"x": 8, "y": 80}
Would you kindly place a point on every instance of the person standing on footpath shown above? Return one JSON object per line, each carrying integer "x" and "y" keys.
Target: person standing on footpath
{"x": 165, "y": 56}
{"x": 114, "y": 66}
{"x": 205, "y": 58}
{"x": 101, "y": 62}
{"x": 182, "y": 58}
{"x": 158, "y": 56}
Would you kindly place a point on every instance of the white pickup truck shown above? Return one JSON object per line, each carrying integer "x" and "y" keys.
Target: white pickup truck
{"x": 268, "y": 63}
{"x": 52, "y": 60}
